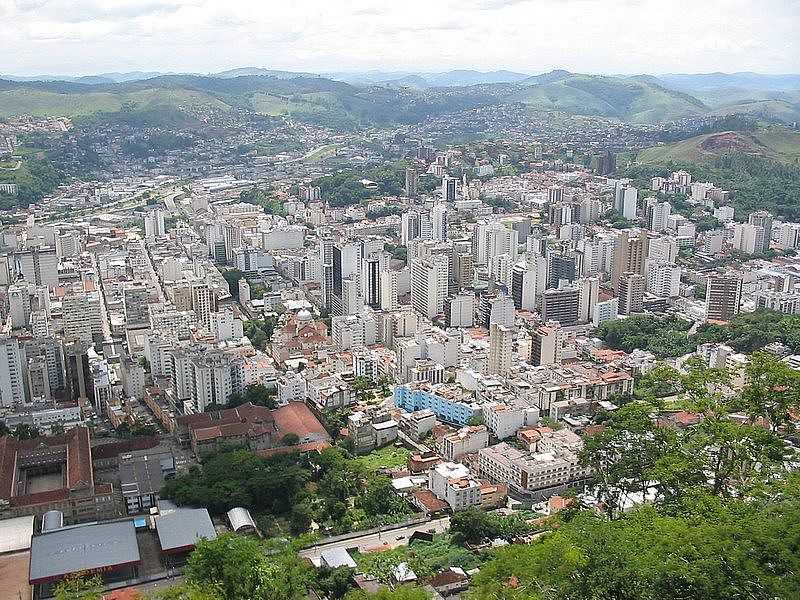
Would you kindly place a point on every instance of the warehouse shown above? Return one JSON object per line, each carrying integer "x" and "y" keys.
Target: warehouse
{"x": 107, "y": 549}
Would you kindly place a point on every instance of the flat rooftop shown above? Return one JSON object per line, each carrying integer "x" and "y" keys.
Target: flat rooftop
{"x": 83, "y": 548}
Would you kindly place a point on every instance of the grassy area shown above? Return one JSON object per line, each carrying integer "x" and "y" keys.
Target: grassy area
{"x": 389, "y": 457}
{"x": 321, "y": 154}
{"x": 271, "y": 105}
{"x": 778, "y": 143}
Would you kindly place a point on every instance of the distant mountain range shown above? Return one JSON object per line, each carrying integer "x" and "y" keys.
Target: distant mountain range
{"x": 383, "y": 98}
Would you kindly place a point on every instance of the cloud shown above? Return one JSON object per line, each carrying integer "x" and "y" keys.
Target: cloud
{"x": 612, "y": 36}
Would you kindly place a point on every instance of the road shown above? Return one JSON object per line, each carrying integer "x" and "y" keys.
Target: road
{"x": 388, "y": 538}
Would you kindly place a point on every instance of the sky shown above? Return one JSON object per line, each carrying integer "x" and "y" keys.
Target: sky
{"x": 79, "y": 37}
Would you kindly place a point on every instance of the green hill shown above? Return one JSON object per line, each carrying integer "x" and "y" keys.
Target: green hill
{"x": 777, "y": 143}
{"x": 632, "y": 100}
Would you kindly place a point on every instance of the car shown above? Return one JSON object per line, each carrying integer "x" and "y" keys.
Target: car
{"x": 400, "y": 537}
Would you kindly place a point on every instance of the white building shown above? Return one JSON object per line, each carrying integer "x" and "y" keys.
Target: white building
{"x": 452, "y": 483}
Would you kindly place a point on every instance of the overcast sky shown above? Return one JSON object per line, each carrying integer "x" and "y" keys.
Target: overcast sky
{"x": 532, "y": 36}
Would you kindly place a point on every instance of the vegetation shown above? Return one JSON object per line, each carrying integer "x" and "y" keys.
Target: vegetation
{"x": 389, "y": 457}
{"x": 255, "y": 393}
{"x": 259, "y": 331}
{"x": 263, "y": 198}
{"x": 79, "y": 587}
{"x": 424, "y": 558}
{"x": 475, "y": 526}
{"x": 292, "y": 490}
{"x": 668, "y": 337}
{"x": 758, "y": 182}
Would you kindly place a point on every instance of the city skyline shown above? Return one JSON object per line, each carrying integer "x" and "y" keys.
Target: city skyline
{"x": 205, "y": 36}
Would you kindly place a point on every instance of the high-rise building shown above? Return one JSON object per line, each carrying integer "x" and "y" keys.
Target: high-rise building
{"x": 410, "y": 227}
{"x": 388, "y": 289}
{"x": 154, "y": 224}
{"x": 371, "y": 279}
{"x": 657, "y": 215}
{"x": 589, "y": 289}
{"x": 608, "y": 310}
{"x": 412, "y": 182}
{"x": 663, "y": 248}
{"x": 449, "y": 189}
{"x": 204, "y": 302}
{"x": 546, "y": 345}
{"x": 82, "y": 316}
{"x": 439, "y": 220}
{"x": 429, "y": 285}
{"x": 526, "y": 279}
{"x": 12, "y": 372}
{"x": 501, "y": 311}
{"x": 555, "y": 194}
{"x": 39, "y": 266}
{"x": 723, "y": 296}
{"x": 561, "y": 267}
{"x": 462, "y": 311}
{"x": 631, "y": 293}
{"x": 135, "y": 300}
{"x": 663, "y": 278}
{"x": 561, "y": 305}
{"x": 346, "y": 262}
{"x": 630, "y": 252}
{"x": 761, "y": 219}
{"x": 501, "y": 339}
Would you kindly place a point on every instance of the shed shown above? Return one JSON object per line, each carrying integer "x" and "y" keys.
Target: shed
{"x": 180, "y": 530}
{"x": 241, "y": 520}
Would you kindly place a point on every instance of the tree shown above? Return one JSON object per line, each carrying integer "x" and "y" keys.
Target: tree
{"x": 623, "y": 454}
{"x": 189, "y": 591}
{"x": 80, "y": 587}
{"x": 24, "y": 431}
{"x": 290, "y": 439}
{"x": 380, "y": 498}
{"x": 771, "y": 391}
{"x": 333, "y": 583}
{"x": 255, "y": 393}
{"x": 403, "y": 592}
{"x": 239, "y": 567}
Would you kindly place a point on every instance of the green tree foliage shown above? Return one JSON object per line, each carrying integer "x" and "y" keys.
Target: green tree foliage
{"x": 80, "y": 587}
{"x": 259, "y": 331}
{"x": 241, "y": 567}
{"x": 663, "y": 337}
{"x": 712, "y": 551}
{"x": 255, "y": 393}
{"x": 403, "y": 592}
{"x": 264, "y": 199}
{"x": 242, "y": 478}
{"x": 771, "y": 391}
{"x": 474, "y": 526}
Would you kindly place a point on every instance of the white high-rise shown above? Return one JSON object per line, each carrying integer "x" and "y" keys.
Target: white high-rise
{"x": 12, "y": 374}
{"x": 439, "y": 220}
{"x": 501, "y": 340}
{"x": 429, "y": 285}
{"x": 663, "y": 278}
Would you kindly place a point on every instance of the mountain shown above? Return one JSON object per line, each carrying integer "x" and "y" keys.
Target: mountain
{"x": 778, "y": 143}
{"x": 457, "y": 78}
{"x": 87, "y": 79}
{"x": 627, "y": 99}
{"x": 702, "y": 82}
{"x": 258, "y": 72}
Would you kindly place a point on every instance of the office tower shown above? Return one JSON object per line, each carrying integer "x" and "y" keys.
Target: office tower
{"x": 135, "y": 300}
{"x": 608, "y": 310}
{"x": 561, "y": 305}
{"x": 388, "y": 289}
{"x": 409, "y": 227}
{"x": 19, "y": 305}
{"x": 244, "y": 291}
{"x": 82, "y": 316}
{"x": 204, "y": 302}
{"x": 68, "y": 244}
{"x": 463, "y": 268}
{"x": 560, "y": 267}
{"x": 560, "y": 214}
{"x": 525, "y": 284}
{"x": 589, "y": 288}
{"x": 439, "y": 221}
{"x": 12, "y": 372}
{"x": 663, "y": 278}
{"x": 39, "y": 266}
{"x": 501, "y": 339}
{"x": 412, "y": 182}
{"x": 663, "y": 248}
{"x": 346, "y": 263}
{"x": 352, "y": 300}
{"x": 462, "y": 311}
{"x": 501, "y": 311}
{"x": 492, "y": 239}
{"x": 631, "y": 293}
{"x": 154, "y": 224}
{"x": 547, "y": 343}
{"x": 629, "y": 255}
{"x": 713, "y": 241}
{"x": 79, "y": 380}
{"x": 371, "y": 279}
{"x": 589, "y": 210}
{"x": 449, "y": 189}
{"x": 429, "y": 285}
{"x": 761, "y": 219}
{"x": 788, "y": 236}
{"x": 657, "y": 216}
{"x": 555, "y": 194}
{"x": 723, "y": 296}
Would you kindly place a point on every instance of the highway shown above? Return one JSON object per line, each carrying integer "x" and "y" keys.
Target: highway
{"x": 390, "y": 538}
